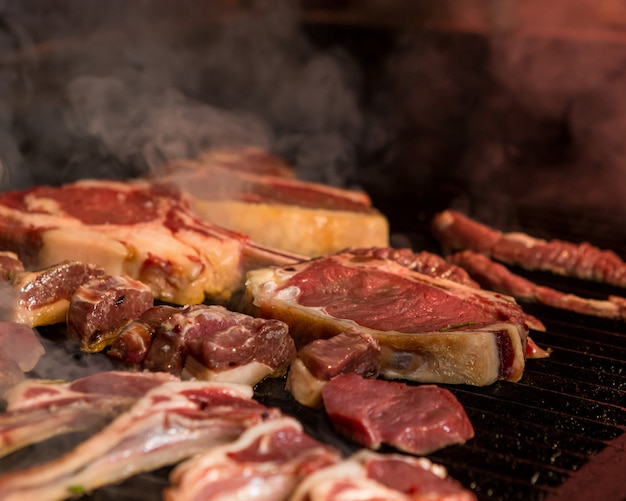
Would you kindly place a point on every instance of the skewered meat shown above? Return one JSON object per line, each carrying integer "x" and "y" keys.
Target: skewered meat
{"x": 20, "y": 350}
{"x": 43, "y": 296}
{"x": 246, "y": 195}
{"x": 497, "y": 277}
{"x": 414, "y": 419}
{"x": 352, "y": 351}
{"x": 456, "y": 231}
{"x": 170, "y": 423}
{"x": 144, "y": 230}
{"x": 209, "y": 342}
{"x": 40, "y": 409}
{"x": 265, "y": 463}
{"x": 103, "y": 306}
{"x": 370, "y": 476}
{"x": 429, "y": 329}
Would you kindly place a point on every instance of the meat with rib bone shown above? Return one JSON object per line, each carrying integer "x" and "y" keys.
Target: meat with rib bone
{"x": 414, "y": 419}
{"x": 40, "y": 409}
{"x": 352, "y": 351}
{"x": 144, "y": 230}
{"x": 209, "y": 342}
{"x": 20, "y": 350}
{"x": 168, "y": 424}
{"x": 370, "y": 476}
{"x": 242, "y": 192}
{"x": 267, "y": 462}
{"x": 101, "y": 307}
{"x": 456, "y": 231}
{"x": 429, "y": 329}
{"x": 497, "y": 277}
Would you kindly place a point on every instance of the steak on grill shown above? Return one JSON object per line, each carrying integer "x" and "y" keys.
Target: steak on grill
{"x": 144, "y": 230}
{"x": 429, "y": 329}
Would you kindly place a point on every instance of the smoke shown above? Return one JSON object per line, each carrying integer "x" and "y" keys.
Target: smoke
{"x": 119, "y": 89}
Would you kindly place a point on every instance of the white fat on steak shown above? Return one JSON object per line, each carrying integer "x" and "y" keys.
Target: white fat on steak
{"x": 429, "y": 329}
{"x": 455, "y": 231}
{"x": 37, "y": 409}
{"x": 319, "y": 361}
{"x": 141, "y": 229}
{"x": 370, "y": 476}
{"x": 168, "y": 424}
{"x": 20, "y": 350}
{"x": 100, "y": 308}
{"x": 414, "y": 419}
{"x": 267, "y": 462}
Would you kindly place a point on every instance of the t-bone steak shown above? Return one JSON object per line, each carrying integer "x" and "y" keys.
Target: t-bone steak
{"x": 429, "y": 329}
{"x": 141, "y": 229}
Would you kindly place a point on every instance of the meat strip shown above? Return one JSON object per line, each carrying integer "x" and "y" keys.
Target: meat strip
{"x": 41, "y": 409}
{"x": 266, "y": 463}
{"x": 414, "y": 419}
{"x": 170, "y": 423}
{"x": 456, "y": 231}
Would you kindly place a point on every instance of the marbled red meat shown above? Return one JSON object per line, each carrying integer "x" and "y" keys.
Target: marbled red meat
{"x": 414, "y": 419}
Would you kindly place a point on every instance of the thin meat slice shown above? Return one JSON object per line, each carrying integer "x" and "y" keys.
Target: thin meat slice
{"x": 414, "y": 419}
{"x": 100, "y": 308}
{"x": 456, "y": 231}
{"x": 141, "y": 229}
{"x": 41, "y": 409}
{"x": 352, "y": 351}
{"x": 170, "y": 423}
{"x": 429, "y": 329}
{"x": 20, "y": 350}
{"x": 497, "y": 277}
{"x": 266, "y": 463}
{"x": 370, "y": 476}
{"x": 210, "y": 342}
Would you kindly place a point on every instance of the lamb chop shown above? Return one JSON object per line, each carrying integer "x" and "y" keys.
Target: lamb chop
{"x": 170, "y": 423}
{"x": 456, "y": 231}
{"x": 41, "y": 409}
{"x": 429, "y": 329}
{"x": 267, "y": 462}
{"x": 371, "y": 476}
{"x": 141, "y": 229}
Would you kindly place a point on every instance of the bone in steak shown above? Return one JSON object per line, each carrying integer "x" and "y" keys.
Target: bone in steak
{"x": 456, "y": 231}
{"x": 319, "y": 361}
{"x": 429, "y": 329}
{"x": 414, "y": 419}
{"x": 144, "y": 230}
{"x": 20, "y": 350}
{"x": 170, "y": 423}
{"x": 278, "y": 211}
{"x": 266, "y": 463}
{"x": 40, "y": 409}
{"x": 100, "y": 308}
{"x": 210, "y": 342}
{"x": 370, "y": 476}
{"x": 497, "y": 277}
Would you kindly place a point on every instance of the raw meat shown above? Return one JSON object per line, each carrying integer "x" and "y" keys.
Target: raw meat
{"x": 43, "y": 297}
{"x": 144, "y": 230}
{"x": 414, "y": 419}
{"x": 20, "y": 350}
{"x": 319, "y": 361}
{"x": 497, "y": 277}
{"x": 40, "y": 409}
{"x": 456, "y": 231}
{"x": 170, "y": 423}
{"x": 212, "y": 343}
{"x": 246, "y": 195}
{"x": 370, "y": 476}
{"x": 101, "y": 307}
{"x": 266, "y": 463}
{"x": 429, "y": 329}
